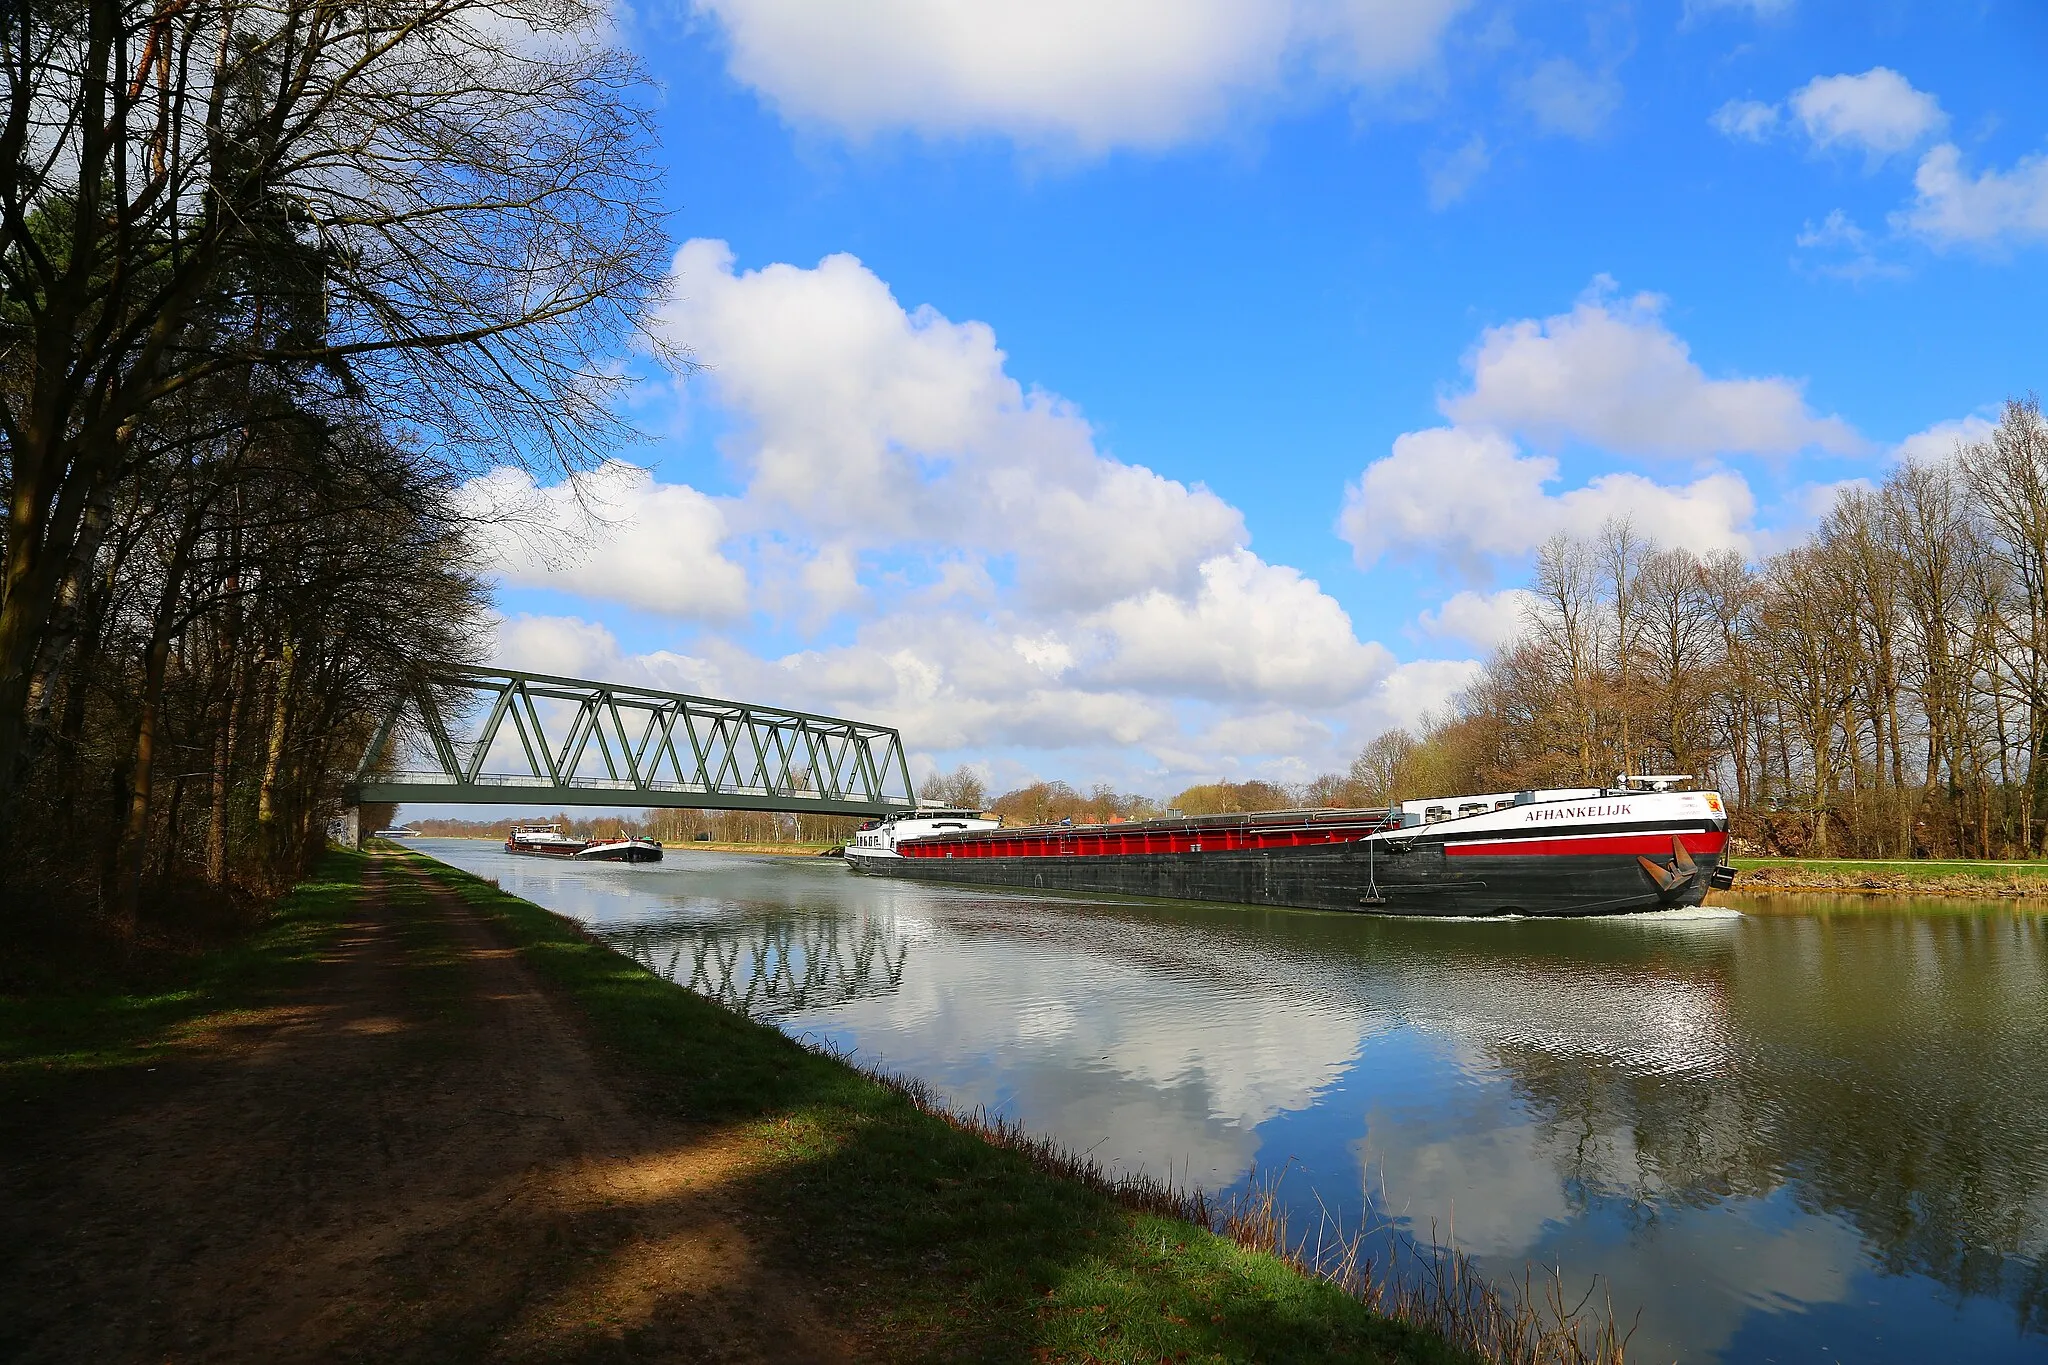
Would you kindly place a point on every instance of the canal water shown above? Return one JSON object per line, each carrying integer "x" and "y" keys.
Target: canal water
{"x": 1804, "y": 1129}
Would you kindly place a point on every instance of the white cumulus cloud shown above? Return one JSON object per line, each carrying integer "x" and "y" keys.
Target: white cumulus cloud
{"x": 870, "y": 424}
{"x": 615, "y": 532}
{"x": 1459, "y": 494}
{"x": 1991, "y": 209}
{"x": 1748, "y": 120}
{"x": 1413, "y": 693}
{"x": 1253, "y": 630}
{"x": 999, "y": 586}
{"x": 1482, "y": 619}
{"x": 1086, "y": 74}
{"x": 1878, "y": 112}
{"x": 1937, "y": 444}
{"x": 1610, "y": 373}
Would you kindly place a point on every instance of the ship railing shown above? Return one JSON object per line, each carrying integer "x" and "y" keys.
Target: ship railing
{"x": 1373, "y": 816}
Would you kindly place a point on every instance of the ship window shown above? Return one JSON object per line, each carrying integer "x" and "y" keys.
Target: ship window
{"x": 1435, "y": 813}
{"x": 1472, "y": 808}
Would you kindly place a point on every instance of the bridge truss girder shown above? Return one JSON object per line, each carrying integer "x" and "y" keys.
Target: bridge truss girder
{"x": 657, "y": 748}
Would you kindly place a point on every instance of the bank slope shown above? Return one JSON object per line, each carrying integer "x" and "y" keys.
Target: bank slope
{"x": 938, "y": 1244}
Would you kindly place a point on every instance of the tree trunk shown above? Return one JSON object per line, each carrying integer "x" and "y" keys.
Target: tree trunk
{"x": 133, "y": 854}
{"x": 231, "y": 706}
{"x": 217, "y": 817}
{"x": 273, "y": 757}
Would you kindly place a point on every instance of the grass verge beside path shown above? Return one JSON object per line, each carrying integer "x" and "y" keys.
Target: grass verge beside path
{"x": 1919, "y": 877}
{"x": 944, "y": 1245}
{"x": 50, "y": 1036}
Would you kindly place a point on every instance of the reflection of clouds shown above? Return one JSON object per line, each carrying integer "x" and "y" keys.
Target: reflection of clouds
{"x": 1701, "y": 1275}
{"x": 1146, "y": 1068}
{"x": 1646, "y": 1023}
{"x": 1468, "y": 1163}
{"x": 1465, "y": 1162}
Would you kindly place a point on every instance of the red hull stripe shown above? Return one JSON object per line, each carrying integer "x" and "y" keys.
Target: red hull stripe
{"x": 1125, "y": 844}
{"x": 1115, "y": 843}
{"x": 1703, "y": 841}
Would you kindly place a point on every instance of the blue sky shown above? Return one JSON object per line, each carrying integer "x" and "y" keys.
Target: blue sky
{"x": 1150, "y": 391}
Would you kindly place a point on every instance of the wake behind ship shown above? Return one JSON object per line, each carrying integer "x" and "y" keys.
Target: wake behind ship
{"x": 1564, "y": 851}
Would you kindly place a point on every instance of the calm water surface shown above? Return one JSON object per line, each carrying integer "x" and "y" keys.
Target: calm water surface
{"x": 1814, "y": 1128}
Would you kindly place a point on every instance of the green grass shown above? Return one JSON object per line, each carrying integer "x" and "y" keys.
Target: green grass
{"x": 83, "y": 1027}
{"x": 944, "y": 1245}
{"x": 1914, "y": 869}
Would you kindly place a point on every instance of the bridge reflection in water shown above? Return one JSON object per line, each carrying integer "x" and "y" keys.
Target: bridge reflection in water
{"x": 769, "y": 967}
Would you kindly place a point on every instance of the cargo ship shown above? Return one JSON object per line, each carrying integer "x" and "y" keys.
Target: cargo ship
{"x": 1643, "y": 844}
{"x": 546, "y": 841}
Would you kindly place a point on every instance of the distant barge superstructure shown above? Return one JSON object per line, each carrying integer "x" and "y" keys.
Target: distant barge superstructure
{"x": 548, "y": 841}
{"x": 1640, "y": 845}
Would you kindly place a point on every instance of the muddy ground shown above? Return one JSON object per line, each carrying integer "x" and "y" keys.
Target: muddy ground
{"x": 417, "y": 1156}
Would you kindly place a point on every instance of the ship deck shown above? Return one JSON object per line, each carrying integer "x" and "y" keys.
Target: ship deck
{"x": 1231, "y": 833}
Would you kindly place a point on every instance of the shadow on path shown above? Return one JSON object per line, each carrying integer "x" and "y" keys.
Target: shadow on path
{"x": 412, "y": 1157}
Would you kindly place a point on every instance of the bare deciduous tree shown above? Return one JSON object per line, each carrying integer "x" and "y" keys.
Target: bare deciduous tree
{"x": 448, "y": 204}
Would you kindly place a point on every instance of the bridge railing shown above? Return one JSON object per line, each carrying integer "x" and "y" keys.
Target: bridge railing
{"x": 655, "y": 748}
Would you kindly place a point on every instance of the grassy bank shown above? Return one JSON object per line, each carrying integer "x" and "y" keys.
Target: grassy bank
{"x": 1917, "y": 877}
{"x": 952, "y": 1246}
{"x": 962, "y": 1239}
{"x": 788, "y": 850}
{"x": 77, "y": 1024}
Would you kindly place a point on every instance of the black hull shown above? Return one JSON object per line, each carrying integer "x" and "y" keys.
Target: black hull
{"x": 1421, "y": 881}
{"x": 543, "y": 852}
{"x": 622, "y": 855}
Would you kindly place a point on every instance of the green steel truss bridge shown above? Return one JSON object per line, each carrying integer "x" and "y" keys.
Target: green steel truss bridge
{"x": 476, "y": 736}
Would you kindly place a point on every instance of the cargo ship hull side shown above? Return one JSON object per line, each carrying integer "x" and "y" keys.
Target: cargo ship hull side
{"x": 1421, "y": 881}
{"x": 1570, "y": 852}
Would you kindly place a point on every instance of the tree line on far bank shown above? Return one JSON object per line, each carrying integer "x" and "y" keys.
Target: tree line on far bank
{"x": 277, "y": 274}
{"x": 1878, "y": 690}
{"x": 669, "y": 826}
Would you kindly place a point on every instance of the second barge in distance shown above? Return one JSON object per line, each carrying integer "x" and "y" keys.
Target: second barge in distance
{"x": 1640, "y": 845}
{"x": 548, "y": 841}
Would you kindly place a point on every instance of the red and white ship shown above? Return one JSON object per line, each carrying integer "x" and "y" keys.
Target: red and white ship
{"x": 1643, "y": 844}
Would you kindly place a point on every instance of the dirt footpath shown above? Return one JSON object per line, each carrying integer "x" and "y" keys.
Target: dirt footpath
{"x": 417, "y": 1158}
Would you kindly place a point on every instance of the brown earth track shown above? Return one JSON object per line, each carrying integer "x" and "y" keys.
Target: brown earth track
{"x": 417, "y": 1157}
